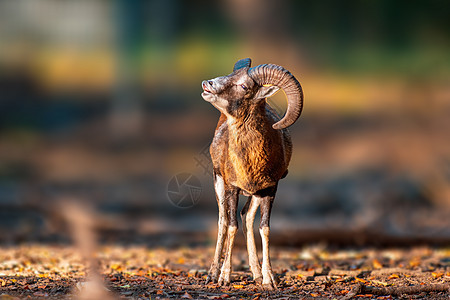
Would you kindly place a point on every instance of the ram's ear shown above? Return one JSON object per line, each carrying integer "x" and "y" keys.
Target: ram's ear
{"x": 266, "y": 91}
{"x": 243, "y": 63}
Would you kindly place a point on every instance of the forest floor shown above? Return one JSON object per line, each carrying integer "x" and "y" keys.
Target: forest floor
{"x": 138, "y": 272}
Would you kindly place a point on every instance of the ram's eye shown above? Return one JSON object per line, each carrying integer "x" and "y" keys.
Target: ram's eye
{"x": 244, "y": 87}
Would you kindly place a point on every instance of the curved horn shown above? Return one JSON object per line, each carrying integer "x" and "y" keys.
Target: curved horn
{"x": 243, "y": 63}
{"x": 282, "y": 78}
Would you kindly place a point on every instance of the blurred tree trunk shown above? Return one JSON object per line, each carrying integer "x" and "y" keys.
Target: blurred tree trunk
{"x": 138, "y": 21}
{"x": 126, "y": 107}
{"x": 266, "y": 30}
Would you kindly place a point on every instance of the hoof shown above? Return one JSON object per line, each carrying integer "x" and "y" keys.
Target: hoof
{"x": 224, "y": 279}
{"x": 258, "y": 280}
{"x": 211, "y": 279}
{"x": 224, "y": 283}
{"x": 269, "y": 282}
{"x": 269, "y": 287}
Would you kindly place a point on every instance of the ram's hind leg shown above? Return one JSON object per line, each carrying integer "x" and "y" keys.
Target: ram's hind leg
{"x": 222, "y": 228}
{"x": 267, "y": 197}
{"x": 232, "y": 197}
{"x": 248, "y": 217}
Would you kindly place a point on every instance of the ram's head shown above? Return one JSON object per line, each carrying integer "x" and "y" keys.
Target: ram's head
{"x": 245, "y": 87}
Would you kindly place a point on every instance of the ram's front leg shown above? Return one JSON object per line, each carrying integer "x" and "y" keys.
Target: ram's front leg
{"x": 248, "y": 214}
{"x": 223, "y": 222}
{"x": 232, "y": 196}
{"x": 267, "y": 198}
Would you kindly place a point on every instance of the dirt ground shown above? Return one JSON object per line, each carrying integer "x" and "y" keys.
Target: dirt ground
{"x": 311, "y": 272}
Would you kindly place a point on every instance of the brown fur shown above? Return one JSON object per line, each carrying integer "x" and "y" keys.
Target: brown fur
{"x": 249, "y": 156}
{"x": 248, "y": 153}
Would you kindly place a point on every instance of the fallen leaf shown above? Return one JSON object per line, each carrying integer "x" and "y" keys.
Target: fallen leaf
{"x": 393, "y": 276}
{"x": 382, "y": 283}
{"x": 414, "y": 262}
{"x": 116, "y": 267}
{"x": 238, "y": 286}
{"x": 180, "y": 260}
{"x": 376, "y": 264}
{"x": 437, "y": 275}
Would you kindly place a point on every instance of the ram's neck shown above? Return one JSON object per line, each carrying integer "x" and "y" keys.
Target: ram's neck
{"x": 250, "y": 157}
{"x": 253, "y": 119}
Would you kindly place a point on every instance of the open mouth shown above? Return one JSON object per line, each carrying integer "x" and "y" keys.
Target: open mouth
{"x": 207, "y": 96}
{"x": 205, "y": 88}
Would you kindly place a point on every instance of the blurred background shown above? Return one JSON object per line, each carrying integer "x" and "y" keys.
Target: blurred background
{"x": 100, "y": 105}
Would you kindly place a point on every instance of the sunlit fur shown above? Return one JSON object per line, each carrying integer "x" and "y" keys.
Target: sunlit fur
{"x": 246, "y": 151}
{"x": 249, "y": 153}
{"x": 249, "y": 157}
